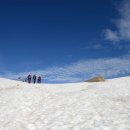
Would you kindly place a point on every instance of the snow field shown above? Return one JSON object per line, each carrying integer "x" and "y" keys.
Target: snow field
{"x": 77, "y": 106}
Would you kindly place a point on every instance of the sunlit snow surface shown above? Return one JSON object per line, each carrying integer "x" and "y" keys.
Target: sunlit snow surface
{"x": 78, "y": 106}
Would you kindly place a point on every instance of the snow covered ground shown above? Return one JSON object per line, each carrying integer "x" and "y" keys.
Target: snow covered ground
{"x": 77, "y": 106}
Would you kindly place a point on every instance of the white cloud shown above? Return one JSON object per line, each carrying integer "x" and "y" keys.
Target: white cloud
{"x": 82, "y": 70}
{"x": 122, "y": 24}
{"x": 111, "y": 35}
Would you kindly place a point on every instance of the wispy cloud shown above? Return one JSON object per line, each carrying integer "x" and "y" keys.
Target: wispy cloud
{"x": 93, "y": 46}
{"x": 98, "y": 46}
{"x": 82, "y": 70}
{"x": 122, "y": 24}
{"x": 111, "y": 35}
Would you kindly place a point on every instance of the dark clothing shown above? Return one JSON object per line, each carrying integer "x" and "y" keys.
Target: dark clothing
{"x": 29, "y": 78}
{"x": 34, "y": 79}
{"x": 39, "y": 79}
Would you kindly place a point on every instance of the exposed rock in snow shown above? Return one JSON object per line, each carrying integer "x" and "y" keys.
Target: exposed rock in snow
{"x": 78, "y": 106}
{"x": 96, "y": 79}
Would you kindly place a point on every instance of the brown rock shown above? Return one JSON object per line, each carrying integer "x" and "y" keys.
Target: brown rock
{"x": 96, "y": 79}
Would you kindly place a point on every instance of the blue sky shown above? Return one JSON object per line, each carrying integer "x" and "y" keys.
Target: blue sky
{"x": 64, "y": 40}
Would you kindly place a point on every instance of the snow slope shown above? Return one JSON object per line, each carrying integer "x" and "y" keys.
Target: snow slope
{"x": 77, "y": 106}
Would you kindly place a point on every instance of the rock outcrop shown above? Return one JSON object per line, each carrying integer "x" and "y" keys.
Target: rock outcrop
{"x": 96, "y": 79}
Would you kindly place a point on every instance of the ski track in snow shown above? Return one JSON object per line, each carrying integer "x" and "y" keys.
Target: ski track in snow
{"x": 79, "y": 106}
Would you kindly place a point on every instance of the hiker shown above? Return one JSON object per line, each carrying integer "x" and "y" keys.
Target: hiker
{"x": 29, "y": 78}
{"x": 25, "y": 80}
{"x": 39, "y": 79}
{"x": 34, "y": 79}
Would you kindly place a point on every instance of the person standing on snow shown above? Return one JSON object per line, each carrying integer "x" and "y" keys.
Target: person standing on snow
{"x": 34, "y": 79}
{"x": 29, "y": 78}
{"x": 39, "y": 79}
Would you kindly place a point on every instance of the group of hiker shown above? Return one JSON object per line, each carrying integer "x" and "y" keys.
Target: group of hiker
{"x": 33, "y": 79}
